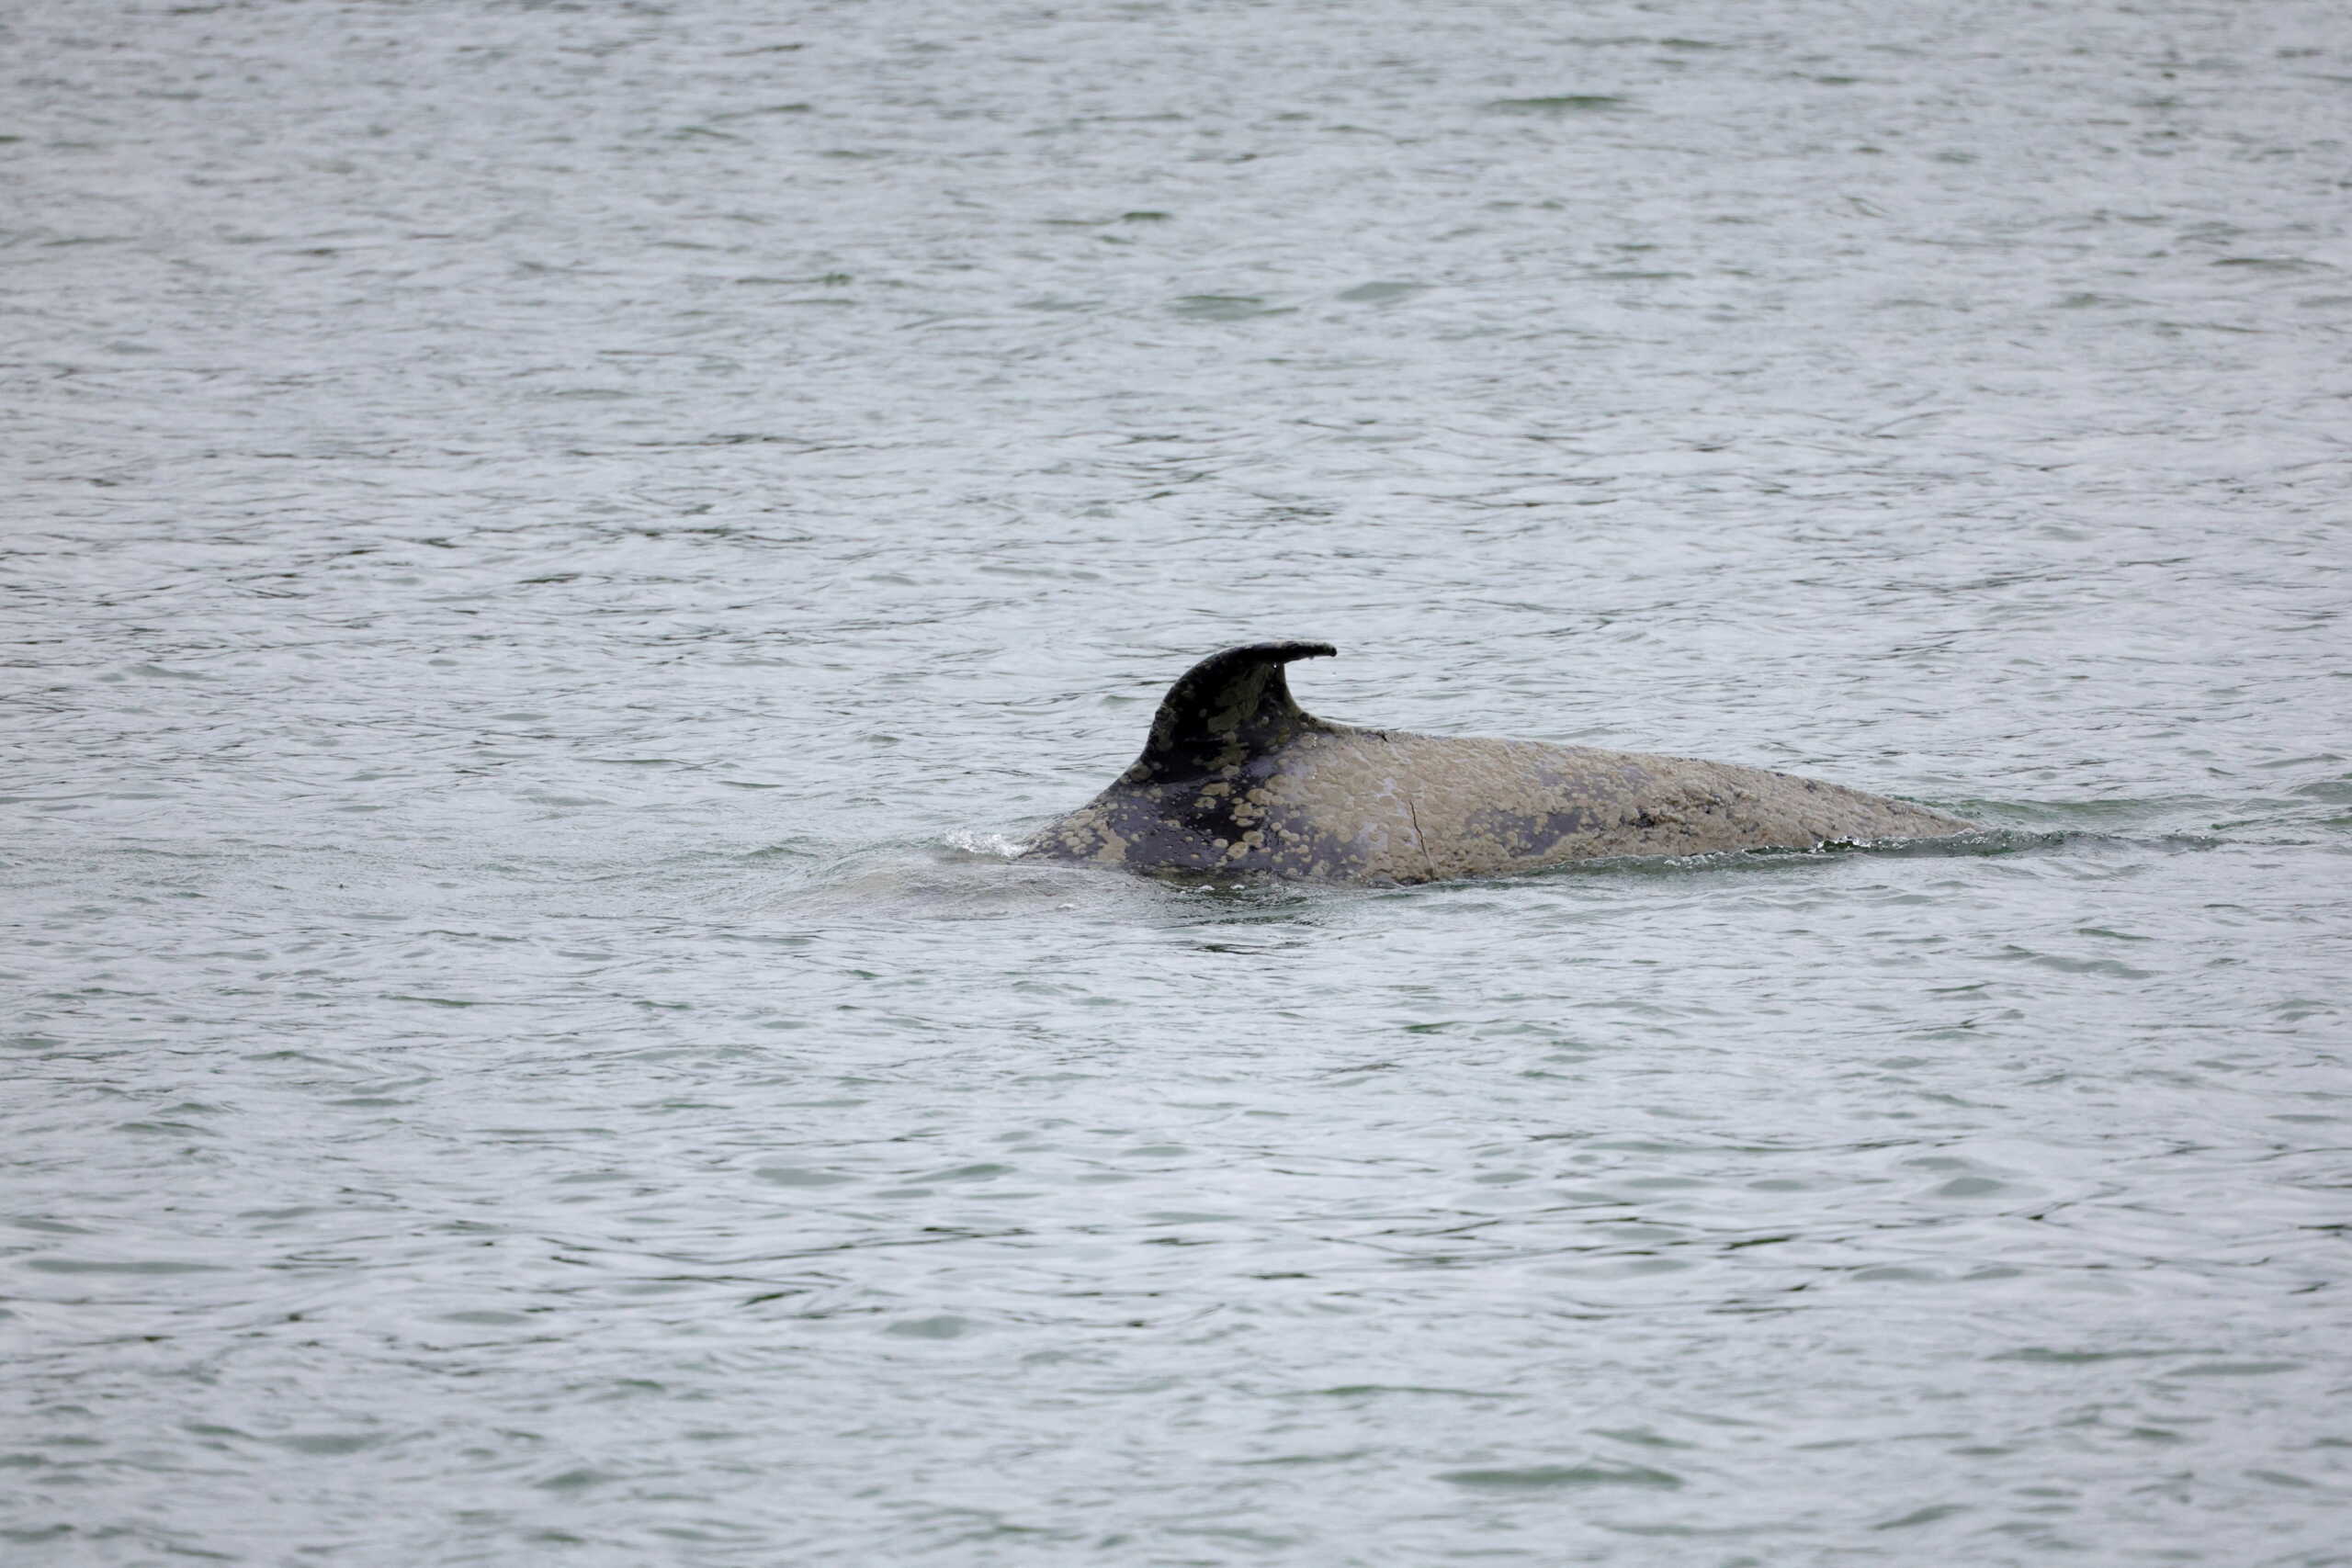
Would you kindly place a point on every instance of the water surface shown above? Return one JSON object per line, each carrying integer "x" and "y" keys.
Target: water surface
{"x": 552, "y": 552}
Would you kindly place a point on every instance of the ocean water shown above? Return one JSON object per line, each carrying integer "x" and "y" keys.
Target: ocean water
{"x": 553, "y": 553}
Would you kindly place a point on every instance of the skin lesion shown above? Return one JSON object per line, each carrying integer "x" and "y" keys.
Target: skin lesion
{"x": 1419, "y": 842}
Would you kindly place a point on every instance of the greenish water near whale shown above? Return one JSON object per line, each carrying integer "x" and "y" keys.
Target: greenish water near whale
{"x": 555, "y": 552}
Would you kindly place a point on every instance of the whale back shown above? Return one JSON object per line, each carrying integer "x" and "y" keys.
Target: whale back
{"x": 1237, "y": 778}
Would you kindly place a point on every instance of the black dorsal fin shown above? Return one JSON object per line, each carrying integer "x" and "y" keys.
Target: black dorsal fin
{"x": 1223, "y": 709}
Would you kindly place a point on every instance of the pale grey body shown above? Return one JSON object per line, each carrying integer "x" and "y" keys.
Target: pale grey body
{"x": 1237, "y": 778}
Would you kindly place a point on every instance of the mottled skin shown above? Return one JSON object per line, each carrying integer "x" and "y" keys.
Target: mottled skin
{"x": 1237, "y": 778}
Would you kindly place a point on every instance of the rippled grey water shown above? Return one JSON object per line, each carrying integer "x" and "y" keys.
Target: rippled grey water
{"x": 553, "y": 549}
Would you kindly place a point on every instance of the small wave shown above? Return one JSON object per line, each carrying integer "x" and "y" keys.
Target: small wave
{"x": 981, "y": 846}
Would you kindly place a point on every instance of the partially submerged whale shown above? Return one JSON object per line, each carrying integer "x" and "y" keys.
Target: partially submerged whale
{"x": 1237, "y": 778}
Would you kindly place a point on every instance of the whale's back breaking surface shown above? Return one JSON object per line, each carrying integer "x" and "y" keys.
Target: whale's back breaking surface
{"x": 1238, "y": 779}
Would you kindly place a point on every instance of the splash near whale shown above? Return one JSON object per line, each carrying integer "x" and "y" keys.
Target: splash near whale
{"x": 1237, "y": 778}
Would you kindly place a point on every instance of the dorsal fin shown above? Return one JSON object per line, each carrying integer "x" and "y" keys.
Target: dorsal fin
{"x": 1224, "y": 708}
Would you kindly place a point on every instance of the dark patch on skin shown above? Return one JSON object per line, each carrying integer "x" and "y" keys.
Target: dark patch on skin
{"x": 1196, "y": 799}
{"x": 1531, "y": 837}
{"x": 1238, "y": 780}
